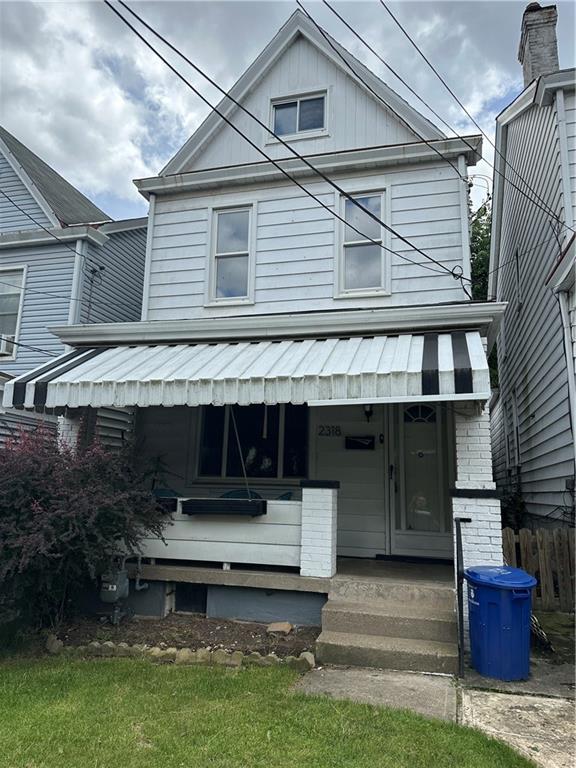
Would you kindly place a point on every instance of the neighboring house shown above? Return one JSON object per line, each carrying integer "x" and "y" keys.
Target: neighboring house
{"x": 62, "y": 261}
{"x": 532, "y": 269}
{"x": 304, "y": 392}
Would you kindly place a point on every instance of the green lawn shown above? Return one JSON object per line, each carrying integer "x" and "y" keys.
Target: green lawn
{"x": 57, "y": 713}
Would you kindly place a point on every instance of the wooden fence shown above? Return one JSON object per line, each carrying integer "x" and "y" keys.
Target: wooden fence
{"x": 547, "y": 554}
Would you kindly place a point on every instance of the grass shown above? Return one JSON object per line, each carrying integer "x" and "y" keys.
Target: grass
{"x": 116, "y": 713}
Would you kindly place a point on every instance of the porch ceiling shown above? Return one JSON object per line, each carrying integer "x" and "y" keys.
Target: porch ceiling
{"x": 403, "y": 368}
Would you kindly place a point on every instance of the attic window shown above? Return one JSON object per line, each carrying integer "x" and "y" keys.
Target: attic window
{"x": 300, "y": 115}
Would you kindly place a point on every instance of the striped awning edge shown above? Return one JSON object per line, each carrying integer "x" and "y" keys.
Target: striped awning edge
{"x": 402, "y": 368}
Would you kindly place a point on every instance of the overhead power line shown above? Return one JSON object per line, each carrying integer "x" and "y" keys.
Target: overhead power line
{"x": 27, "y": 346}
{"x": 363, "y": 40}
{"x": 271, "y": 160}
{"x": 415, "y": 45}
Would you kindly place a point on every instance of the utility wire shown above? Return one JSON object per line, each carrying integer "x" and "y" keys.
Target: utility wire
{"x": 27, "y": 346}
{"x": 433, "y": 111}
{"x": 275, "y": 163}
{"x": 550, "y": 211}
{"x": 48, "y": 231}
{"x": 336, "y": 50}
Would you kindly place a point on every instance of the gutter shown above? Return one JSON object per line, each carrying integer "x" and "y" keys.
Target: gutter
{"x": 66, "y": 235}
{"x": 482, "y": 316}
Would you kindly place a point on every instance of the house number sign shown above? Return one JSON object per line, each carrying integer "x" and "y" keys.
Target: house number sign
{"x": 329, "y": 430}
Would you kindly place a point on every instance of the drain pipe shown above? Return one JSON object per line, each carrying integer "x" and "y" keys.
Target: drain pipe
{"x": 562, "y": 297}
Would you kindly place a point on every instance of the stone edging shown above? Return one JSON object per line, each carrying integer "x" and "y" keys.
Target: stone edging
{"x": 180, "y": 656}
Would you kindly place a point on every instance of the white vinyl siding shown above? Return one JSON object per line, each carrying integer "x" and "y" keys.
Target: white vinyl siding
{"x": 354, "y": 117}
{"x": 570, "y": 111}
{"x": 296, "y": 246}
{"x": 24, "y": 212}
{"x": 534, "y": 365}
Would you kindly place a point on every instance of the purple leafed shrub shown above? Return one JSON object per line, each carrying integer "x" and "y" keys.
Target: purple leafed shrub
{"x": 64, "y": 514}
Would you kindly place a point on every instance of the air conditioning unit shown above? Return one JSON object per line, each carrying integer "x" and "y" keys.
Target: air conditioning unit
{"x": 6, "y": 346}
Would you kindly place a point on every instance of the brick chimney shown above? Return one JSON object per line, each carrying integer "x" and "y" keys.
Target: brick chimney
{"x": 538, "y": 52}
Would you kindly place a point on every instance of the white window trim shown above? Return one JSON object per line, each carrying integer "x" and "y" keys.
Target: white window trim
{"x": 24, "y": 269}
{"x": 316, "y": 133}
{"x": 210, "y": 298}
{"x": 340, "y": 291}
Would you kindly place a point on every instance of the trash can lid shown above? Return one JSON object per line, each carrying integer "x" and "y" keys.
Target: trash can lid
{"x": 502, "y": 576}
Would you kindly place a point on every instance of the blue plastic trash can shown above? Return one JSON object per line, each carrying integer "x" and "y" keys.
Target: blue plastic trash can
{"x": 499, "y": 607}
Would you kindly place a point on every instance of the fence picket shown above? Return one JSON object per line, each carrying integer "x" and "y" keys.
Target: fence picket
{"x": 547, "y": 554}
{"x": 562, "y": 553}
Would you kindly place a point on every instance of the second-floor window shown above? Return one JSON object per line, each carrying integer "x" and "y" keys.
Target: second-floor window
{"x": 231, "y": 273}
{"x": 10, "y": 300}
{"x": 299, "y": 115}
{"x": 363, "y": 260}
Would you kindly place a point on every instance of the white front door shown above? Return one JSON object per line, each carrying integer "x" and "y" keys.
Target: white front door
{"x": 350, "y": 444}
{"x": 422, "y": 519}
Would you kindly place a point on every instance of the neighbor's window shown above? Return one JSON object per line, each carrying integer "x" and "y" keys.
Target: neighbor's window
{"x": 363, "y": 258}
{"x": 299, "y": 115}
{"x": 10, "y": 298}
{"x": 273, "y": 441}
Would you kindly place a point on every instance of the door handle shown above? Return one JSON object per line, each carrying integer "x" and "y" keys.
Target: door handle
{"x": 390, "y": 471}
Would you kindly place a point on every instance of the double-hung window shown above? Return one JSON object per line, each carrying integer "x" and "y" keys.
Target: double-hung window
{"x": 299, "y": 115}
{"x": 11, "y": 282}
{"x": 231, "y": 254}
{"x": 363, "y": 259}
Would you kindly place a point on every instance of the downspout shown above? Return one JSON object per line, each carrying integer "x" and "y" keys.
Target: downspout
{"x": 565, "y": 316}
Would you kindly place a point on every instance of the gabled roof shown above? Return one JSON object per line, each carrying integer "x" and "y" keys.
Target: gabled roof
{"x": 299, "y": 25}
{"x": 68, "y": 205}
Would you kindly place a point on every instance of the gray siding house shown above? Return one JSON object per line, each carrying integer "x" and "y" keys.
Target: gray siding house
{"x": 62, "y": 261}
{"x": 311, "y": 384}
{"x": 533, "y": 415}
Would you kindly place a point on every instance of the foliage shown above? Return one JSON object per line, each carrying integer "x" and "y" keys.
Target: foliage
{"x": 64, "y": 515}
{"x": 480, "y": 227}
{"x": 480, "y": 251}
{"x": 134, "y": 714}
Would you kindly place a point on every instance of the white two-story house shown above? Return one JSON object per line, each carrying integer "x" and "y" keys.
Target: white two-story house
{"x": 308, "y": 374}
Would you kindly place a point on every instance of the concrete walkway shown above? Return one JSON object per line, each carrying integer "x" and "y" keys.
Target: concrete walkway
{"x": 539, "y": 727}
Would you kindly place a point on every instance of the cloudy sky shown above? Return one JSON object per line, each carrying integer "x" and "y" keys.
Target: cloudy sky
{"x": 83, "y": 92}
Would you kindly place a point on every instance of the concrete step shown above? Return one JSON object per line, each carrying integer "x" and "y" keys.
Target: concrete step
{"x": 390, "y": 619}
{"x": 386, "y": 652}
{"x": 432, "y": 595}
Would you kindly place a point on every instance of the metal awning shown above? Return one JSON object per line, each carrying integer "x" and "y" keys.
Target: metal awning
{"x": 403, "y": 368}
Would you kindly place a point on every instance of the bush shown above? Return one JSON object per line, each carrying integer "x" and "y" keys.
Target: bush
{"x": 64, "y": 515}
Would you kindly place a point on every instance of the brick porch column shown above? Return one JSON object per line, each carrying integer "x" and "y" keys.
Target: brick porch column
{"x": 318, "y": 528}
{"x": 474, "y": 495}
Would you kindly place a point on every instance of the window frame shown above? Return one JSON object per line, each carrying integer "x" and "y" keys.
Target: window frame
{"x": 385, "y": 289}
{"x": 313, "y": 133}
{"x": 210, "y": 298}
{"x": 23, "y": 269}
{"x": 223, "y": 477}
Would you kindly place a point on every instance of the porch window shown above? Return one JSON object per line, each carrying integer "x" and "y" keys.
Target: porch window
{"x": 10, "y": 302}
{"x": 231, "y": 274}
{"x": 299, "y": 115}
{"x": 271, "y": 441}
{"x": 363, "y": 260}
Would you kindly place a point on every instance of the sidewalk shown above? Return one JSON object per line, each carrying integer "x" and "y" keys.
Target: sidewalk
{"x": 535, "y": 717}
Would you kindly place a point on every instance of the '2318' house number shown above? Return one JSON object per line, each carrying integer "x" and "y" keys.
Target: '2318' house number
{"x": 329, "y": 430}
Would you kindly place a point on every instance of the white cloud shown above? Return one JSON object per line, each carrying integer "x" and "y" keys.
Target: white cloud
{"x": 85, "y": 94}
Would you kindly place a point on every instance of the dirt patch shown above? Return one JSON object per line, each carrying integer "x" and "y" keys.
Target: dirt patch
{"x": 192, "y": 631}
